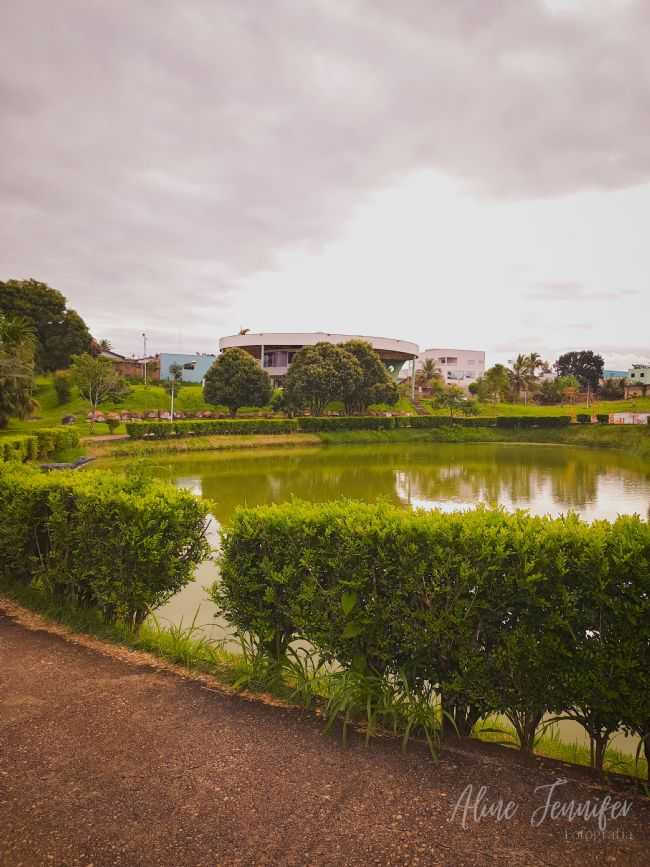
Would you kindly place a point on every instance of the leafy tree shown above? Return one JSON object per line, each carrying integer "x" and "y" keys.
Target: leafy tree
{"x": 585, "y": 365}
{"x": 16, "y": 368}
{"x": 236, "y": 379}
{"x": 556, "y": 390}
{"x": 376, "y": 384}
{"x": 495, "y": 384}
{"x": 455, "y": 400}
{"x": 62, "y": 386}
{"x": 320, "y": 374}
{"x": 97, "y": 380}
{"x": 60, "y": 331}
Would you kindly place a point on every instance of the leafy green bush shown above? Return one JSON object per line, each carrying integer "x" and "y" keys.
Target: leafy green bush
{"x": 583, "y": 418}
{"x": 204, "y": 427}
{"x": 21, "y": 448}
{"x": 120, "y": 544}
{"x": 530, "y": 421}
{"x": 433, "y": 421}
{"x": 602, "y": 418}
{"x": 55, "y": 439}
{"x": 498, "y": 610}
{"x": 62, "y": 386}
{"x": 345, "y": 422}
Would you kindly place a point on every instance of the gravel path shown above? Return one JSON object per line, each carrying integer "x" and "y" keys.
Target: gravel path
{"x": 106, "y": 759}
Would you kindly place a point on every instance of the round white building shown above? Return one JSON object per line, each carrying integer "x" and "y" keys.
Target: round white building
{"x": 275, "y": 350}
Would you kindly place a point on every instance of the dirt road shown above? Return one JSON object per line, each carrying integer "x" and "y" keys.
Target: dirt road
{"x": 106, "y": 761}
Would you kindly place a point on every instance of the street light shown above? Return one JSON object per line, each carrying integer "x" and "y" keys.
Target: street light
{"x": 144, "y": 357}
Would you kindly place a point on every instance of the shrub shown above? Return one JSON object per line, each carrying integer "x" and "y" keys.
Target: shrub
{"x": 583, "y": 418}
{"x": 98, "y": 539}
{"x": 499, "y": 610}
{"x": 530, "y": 421}
{"x": 62, "y": 386}
{"x": 349, "y": 422}
{"x": 19, "y": 448}
{"x": 602, "y": 418}
{"x": 54, "y": 439}
{"x": 206, "y": 427}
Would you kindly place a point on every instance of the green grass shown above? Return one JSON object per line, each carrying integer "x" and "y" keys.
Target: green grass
{"x": 634, "y": 404}
{"x": 549, "y": 744}
{"x": 146, "y": 448}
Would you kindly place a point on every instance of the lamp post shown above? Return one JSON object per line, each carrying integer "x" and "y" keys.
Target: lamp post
{"x": 144, "y": 357}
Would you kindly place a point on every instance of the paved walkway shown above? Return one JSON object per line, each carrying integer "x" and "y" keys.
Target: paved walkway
{"x": 108, "y": 761}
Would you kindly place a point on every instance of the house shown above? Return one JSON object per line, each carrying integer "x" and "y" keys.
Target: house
{"x": 637, "y": 380}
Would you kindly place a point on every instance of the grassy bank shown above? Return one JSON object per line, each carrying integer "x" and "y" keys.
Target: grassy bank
{"x": 185, "y": 645}
{"x": 633, "y": 439}
{"x": 146, "y": 448}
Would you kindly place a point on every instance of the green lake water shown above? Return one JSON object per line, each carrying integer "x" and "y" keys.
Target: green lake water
{"x": 543, "y": 479}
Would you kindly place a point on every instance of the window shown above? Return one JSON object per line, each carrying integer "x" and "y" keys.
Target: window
{"x": 190, "y": 365}
{"x": 442, "y": 360}
{"x": 452, "y": 359}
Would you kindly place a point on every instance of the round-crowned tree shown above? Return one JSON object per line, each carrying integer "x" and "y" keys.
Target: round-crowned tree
{"x": 236, "y": 379}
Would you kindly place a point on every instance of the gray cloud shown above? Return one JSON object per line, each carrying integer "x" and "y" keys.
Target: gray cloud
{"x": 154, "y": 156}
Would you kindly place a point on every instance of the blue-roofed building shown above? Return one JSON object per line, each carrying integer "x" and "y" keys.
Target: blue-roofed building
{"x": 614, "y": 374}
{"x": 194, "y": 366}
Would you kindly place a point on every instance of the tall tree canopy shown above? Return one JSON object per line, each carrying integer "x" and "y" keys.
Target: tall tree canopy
{"x": 60, "y": 332}
{"x": 585, "y": 365}
{"x": 236, "y": 379}
{"x": 376, "y": 384}
{"x": 319, "y": 374}
{"x": 16, "y": 368}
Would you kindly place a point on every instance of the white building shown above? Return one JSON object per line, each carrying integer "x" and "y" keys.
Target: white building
{"x": 275, "y": 350}
{"x": 457, "y": 366}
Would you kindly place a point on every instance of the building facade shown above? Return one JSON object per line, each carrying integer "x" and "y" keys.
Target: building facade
{"x": 275, "y": 350}
{"x": 637, "y": 381}
{"x": 457, "y": 366}
{"x": 194, "y": 367}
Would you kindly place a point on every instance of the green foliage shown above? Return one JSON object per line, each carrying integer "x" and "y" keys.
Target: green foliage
{"x": 100, "y": 540}
{"x": 310, "y": 424}
{"x": 612, "y": 389}
{"x": 55, "y": 439}
{"x": 376, "y": 384}
{"x": 528, "y": 421}
{"x": 602, "y": 418}
{"x": 19, "y": 448}
{"x": 583, "y": 418}
{"x": 16, "y": 368}
{"x": 60, "y": 332}
{"x": 62, "y": 386}
{"x": 236, "y": 379}
{"x": 201, "y": 427}
{"x": 454, "y": 399}
{"x": 585, "y": 365}
{"x": 320, "y": 374}
{"x": 507, "y": 613}
{"x": 97, "y": 380}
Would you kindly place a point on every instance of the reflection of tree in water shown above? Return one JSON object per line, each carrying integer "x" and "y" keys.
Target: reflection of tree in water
{"x": 521, "y": 475}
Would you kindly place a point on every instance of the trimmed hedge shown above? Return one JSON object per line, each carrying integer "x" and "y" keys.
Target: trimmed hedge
{"x": 55, "y": 439}
{"x": 19, "y": 448}
{"x": 602, "y": 418}
{"x": 120, "y": 544}
{"x": 205, "y": 427}
{"x": 43, "y": 443}
{"x": 507, "y": 613}
{"x": 531, "y": 421}
{"x": 583, "y": 418}
{"x": 307, "y": 424}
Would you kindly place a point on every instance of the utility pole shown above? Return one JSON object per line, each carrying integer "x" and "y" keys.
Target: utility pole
{"x": 413, "y": 380}
{"x": 144, "y": 357}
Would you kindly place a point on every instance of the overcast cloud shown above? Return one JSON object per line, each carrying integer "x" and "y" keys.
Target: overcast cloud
{"x": 189, "y": 167}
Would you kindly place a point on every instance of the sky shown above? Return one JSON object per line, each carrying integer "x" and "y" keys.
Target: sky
{"x": 457, "y": 173}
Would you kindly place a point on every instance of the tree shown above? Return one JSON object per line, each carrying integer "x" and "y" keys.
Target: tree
{"x": 376, "y": 384}
{"x": 320, "y": 374}
{"x": 557, "y": 390}
{"x": 97, "y": 380}
{"x": 455, "y": 400}
{"x": 585, "y": 365}
{"x": 60, "y": 332}
{"x": 613, "y": 389}
{"x": 495, "y": 384}
{"x": 16, "y": 368}
{"x": 236, "y": 379}
{"x": 173, "y": 384}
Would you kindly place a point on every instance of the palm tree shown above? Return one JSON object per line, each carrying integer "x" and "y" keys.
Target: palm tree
{"x": 520, "y": 374}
